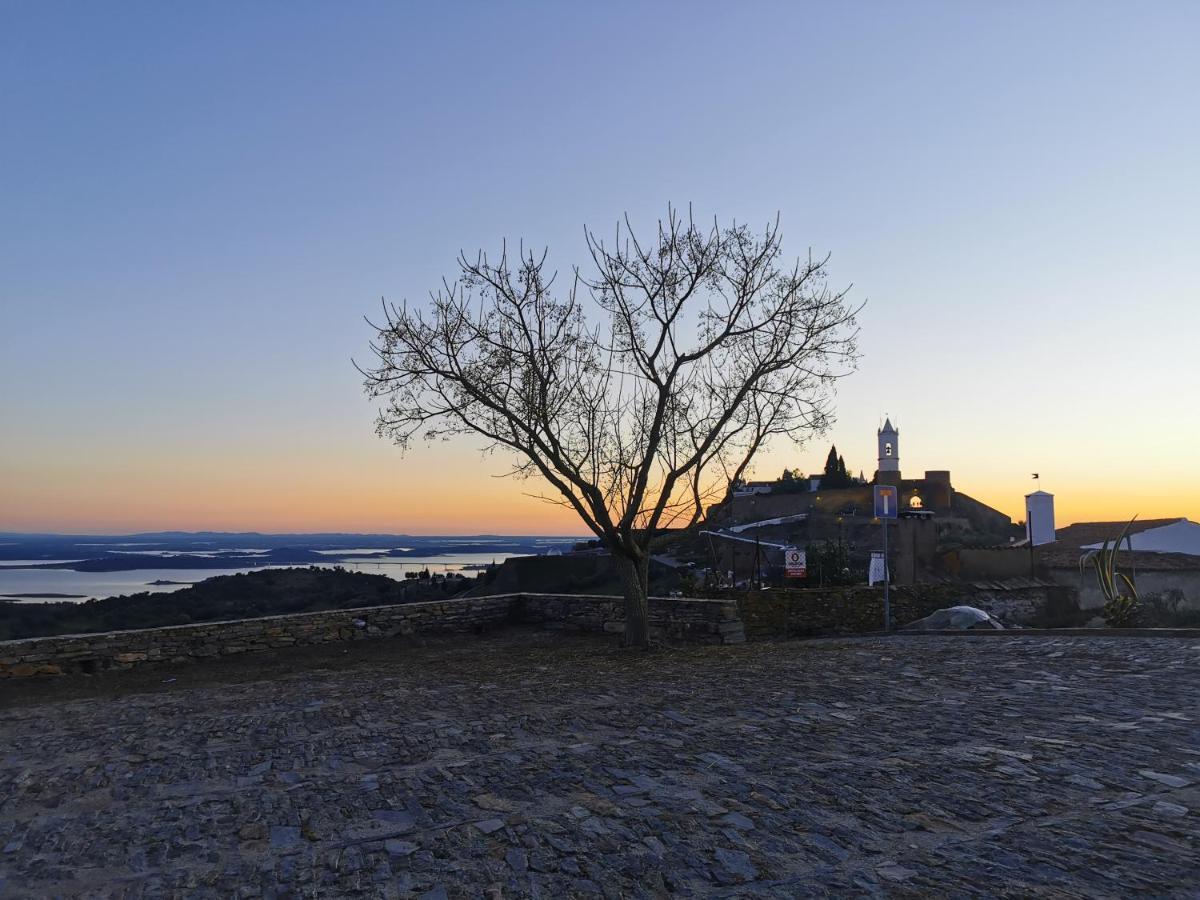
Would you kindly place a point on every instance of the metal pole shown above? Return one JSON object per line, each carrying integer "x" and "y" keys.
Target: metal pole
{"x": 757, "y": 563}
{"x": 887, "y": 577}
{"x": 913, "y": 531}
{"x": 1029, "y": 525}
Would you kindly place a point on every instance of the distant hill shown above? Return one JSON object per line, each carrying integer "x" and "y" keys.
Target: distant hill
{"x": 228, "y": 550}
{"x": 283, "y": 556}
{"x": 244, "y": 596}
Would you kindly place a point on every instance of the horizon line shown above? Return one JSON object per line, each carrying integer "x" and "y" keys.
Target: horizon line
{"x": 4, "y": 533}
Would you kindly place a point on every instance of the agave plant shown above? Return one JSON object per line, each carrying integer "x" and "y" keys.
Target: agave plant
{"x": 1121, "y": 604}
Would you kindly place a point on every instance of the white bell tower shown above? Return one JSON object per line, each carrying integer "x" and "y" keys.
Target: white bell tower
{"x": 889, "y": 454}
{"x": 889, "y": 448}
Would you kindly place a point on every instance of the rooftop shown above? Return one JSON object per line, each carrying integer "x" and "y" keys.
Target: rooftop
{"x": 529, "y": 764}
{"x": 1081, "y": 533}
{"x": 1072, "y": 541}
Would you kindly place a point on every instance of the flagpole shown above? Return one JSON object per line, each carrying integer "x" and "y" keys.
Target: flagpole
{"x": 887, "y": 577}
{"x": 1029, "y": 525}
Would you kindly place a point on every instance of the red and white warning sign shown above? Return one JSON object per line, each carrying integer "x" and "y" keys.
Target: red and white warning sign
{"x": 795, "y": 563}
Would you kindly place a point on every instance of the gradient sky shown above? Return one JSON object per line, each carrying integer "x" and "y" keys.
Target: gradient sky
{"x": 199, "y": 202}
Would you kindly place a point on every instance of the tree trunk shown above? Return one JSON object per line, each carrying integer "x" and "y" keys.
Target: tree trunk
{"x": 635, "y": 574}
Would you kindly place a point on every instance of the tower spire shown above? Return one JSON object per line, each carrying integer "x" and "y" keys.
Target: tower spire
{"x": 888, "y": 439}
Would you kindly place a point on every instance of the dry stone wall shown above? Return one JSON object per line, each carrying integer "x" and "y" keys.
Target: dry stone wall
{"x": 855, "y": 610}
{"x": 183, "y": 643}
{"x": 720, "y": 620}
{"x": 672, "y": 619}
{"x": 689, "y": 620}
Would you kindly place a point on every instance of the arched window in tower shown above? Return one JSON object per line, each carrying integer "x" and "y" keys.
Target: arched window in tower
{"x": 887, "y": 449}
{"x": 914, "y": 502}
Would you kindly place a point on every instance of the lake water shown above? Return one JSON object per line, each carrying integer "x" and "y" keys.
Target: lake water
{"x": 107, "y": 584}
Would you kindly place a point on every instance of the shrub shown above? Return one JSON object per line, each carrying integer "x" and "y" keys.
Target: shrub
{"x": 1163, "y": 609}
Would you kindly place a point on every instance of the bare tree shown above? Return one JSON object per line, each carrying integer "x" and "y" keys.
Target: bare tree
{"x": 638, "y": 393}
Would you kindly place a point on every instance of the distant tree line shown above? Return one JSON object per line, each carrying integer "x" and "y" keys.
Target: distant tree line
{"x": 834, "y": 476}
{"x": 269, "y": 592}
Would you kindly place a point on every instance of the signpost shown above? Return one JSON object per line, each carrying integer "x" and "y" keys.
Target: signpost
{"x": 887, "y": 506}
{"x": 795, "y": 563}
{"x": 887, "y": 501}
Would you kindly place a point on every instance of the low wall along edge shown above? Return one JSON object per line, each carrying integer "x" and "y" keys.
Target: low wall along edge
{"x": 682, "y": 620}
{"x": 719, "y": 620}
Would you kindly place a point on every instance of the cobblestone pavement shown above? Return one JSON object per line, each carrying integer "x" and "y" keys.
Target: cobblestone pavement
{"x": 526, "y": 764}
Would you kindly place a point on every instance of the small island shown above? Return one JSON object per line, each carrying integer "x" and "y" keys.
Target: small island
{"x": 46, "y": 596}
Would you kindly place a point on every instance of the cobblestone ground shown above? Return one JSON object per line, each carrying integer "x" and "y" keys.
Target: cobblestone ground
{"x": 529, "y": 765}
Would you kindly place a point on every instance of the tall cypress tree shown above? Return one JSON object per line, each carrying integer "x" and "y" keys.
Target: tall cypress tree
{"x": 835, "y": 475}
{"x": 831, "y": 465}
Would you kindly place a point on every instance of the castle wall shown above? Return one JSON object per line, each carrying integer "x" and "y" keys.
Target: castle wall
{"x": 982, "y": 516}
{"x": 913, "y": 547}
{"x": 770, "y": 506}
{"x": 937, "y": 492}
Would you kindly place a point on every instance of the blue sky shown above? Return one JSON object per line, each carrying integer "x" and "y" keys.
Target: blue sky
{"x": 201, "y": 202}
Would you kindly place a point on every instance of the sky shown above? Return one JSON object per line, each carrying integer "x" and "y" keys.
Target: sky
{"x": 199, "y": 203}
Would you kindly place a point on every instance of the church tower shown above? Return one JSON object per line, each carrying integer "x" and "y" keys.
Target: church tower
{"x": 889, "y": 455}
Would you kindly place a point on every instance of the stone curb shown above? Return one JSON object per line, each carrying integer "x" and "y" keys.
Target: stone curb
{"x": 1032, "y": 632}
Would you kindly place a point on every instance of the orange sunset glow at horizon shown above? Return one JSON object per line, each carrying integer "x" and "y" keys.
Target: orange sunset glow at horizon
{"x": 451, "y": 489}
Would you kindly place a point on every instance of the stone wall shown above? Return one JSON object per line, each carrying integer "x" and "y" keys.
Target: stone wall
{"x": 849, "y": 610}
{"x": 671, "y": 619}
{"x": 1040, "y": 603}
{"x": 981, "y": 516}
{"x": 184, "y": 643}
{"x": 987, "y": 562}
{"x": 1153, "y": 581}
{"x": 690, "y": 620}
{"x": 720, "y": 620}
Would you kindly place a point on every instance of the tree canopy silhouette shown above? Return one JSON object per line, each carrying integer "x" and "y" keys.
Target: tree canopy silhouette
{"x": 835, "y": 474}
{"x": 639, "y": 389}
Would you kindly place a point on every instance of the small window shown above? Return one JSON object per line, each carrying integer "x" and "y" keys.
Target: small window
{"x": 887, "y": 449}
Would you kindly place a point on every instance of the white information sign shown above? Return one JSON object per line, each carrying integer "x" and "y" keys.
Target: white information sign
{"x": 878, "y": 571}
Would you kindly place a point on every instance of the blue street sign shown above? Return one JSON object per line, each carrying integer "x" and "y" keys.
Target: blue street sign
{"x": 887, "y": 501}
